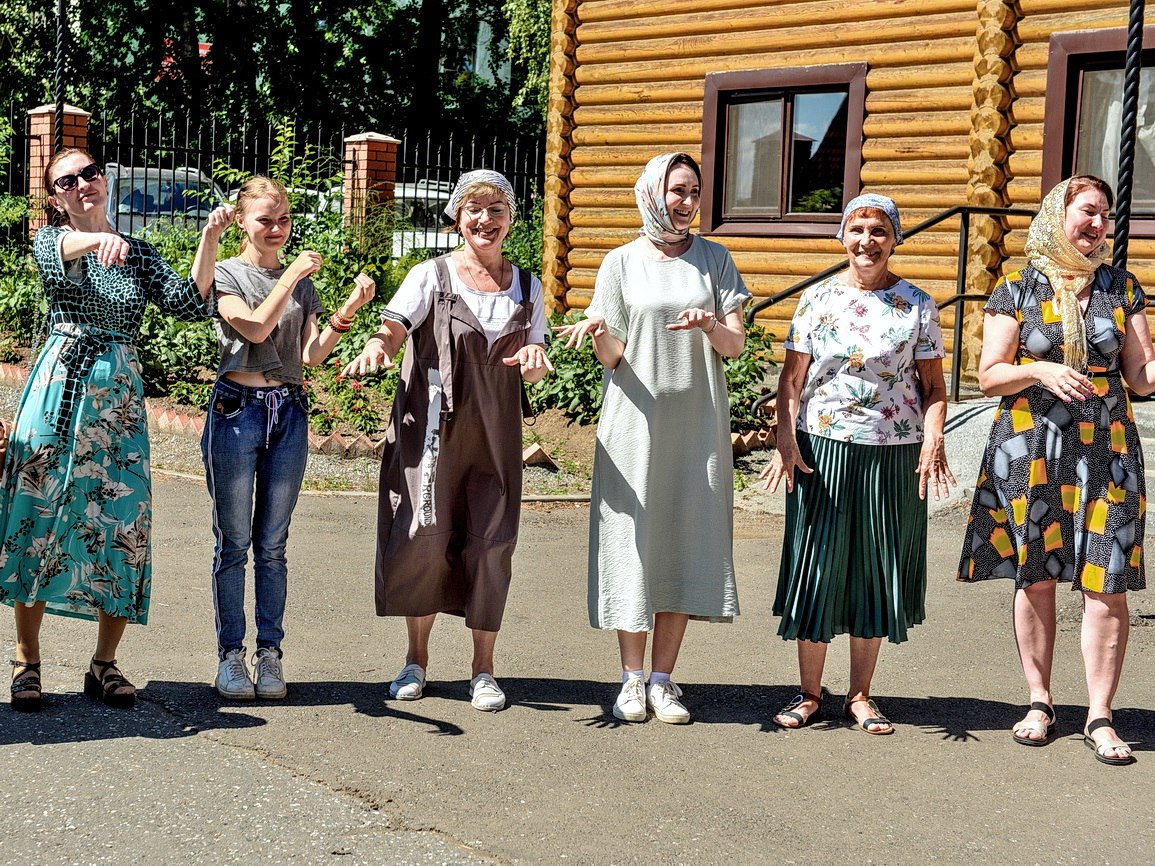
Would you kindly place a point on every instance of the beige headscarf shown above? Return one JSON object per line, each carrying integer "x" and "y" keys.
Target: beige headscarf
{"x": 1067, "y": 269}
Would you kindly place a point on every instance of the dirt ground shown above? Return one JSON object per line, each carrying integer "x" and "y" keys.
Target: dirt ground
{"x": 555, "y": 778}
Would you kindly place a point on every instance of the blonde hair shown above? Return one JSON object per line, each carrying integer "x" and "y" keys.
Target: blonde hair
{"x": 257, "y": 187}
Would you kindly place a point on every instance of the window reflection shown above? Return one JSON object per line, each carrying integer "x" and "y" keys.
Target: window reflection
{"x": 1100, "y": 122}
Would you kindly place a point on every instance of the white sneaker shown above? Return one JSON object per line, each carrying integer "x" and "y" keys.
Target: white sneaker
{"x": 485, "y": 693}
{"x": 631, "y": 703}
{"x": 268, "y": 677}
{"x": 233, "y": 681}
{"x": 409, "y": 684}
{"x": 662, "y": 698}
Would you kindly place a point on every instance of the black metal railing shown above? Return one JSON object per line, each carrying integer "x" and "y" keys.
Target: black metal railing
{"x": 964, "y": 213}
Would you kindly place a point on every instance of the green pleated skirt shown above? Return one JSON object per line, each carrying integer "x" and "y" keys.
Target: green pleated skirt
{"x": 854, "y": 551}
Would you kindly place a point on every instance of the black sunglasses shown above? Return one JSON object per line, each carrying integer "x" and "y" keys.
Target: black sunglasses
{"x": 68, "y": 182}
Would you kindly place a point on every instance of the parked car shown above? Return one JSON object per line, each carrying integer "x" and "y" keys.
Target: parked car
{"x": 140, "y": 198}
{"x": 420, "y": 208}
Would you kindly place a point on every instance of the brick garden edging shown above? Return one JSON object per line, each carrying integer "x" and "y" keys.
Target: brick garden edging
{"x": 165, "y": 420}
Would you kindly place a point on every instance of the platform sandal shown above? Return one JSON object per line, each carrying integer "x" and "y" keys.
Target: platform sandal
{"x": 28, "y": 681}
{"x": 104, "y": 688}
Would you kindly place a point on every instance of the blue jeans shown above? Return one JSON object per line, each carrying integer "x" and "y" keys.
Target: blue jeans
{"x": 254, "y": 446}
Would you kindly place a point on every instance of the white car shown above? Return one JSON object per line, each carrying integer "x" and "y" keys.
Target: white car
{"x": 140, "y": 198}
{"x": 420, "y": 205}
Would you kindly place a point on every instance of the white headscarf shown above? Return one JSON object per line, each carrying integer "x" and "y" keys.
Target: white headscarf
{"x": 481, "y": 175}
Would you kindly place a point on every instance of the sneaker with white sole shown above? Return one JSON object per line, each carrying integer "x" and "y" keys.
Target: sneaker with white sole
{"x": 268, "y": 677}
{"x": 485, "y": 694}
{"x": 409, "y": 684}
{"x": 662, "y": 698}
{"x": 233, "y": 680}
{"x": 631, "y": 703}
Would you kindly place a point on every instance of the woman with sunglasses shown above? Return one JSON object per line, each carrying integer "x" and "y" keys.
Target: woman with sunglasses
{"x": 75, "y": 505}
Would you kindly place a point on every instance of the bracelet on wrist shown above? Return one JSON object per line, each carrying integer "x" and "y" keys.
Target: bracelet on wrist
{"x": 339, "y": 325}
{"x": 712, "y": 327}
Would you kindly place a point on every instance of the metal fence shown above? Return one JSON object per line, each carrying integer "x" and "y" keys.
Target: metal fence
{"x": 166, "y": 170}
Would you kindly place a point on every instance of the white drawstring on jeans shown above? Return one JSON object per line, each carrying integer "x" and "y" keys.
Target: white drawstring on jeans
{"x": 273, "y": 401}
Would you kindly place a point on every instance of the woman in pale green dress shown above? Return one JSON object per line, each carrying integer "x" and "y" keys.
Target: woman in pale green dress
{"x": 76, "y": 502}
{"x": 667, "y": 308}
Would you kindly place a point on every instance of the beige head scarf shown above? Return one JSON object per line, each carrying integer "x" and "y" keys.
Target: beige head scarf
{"x": 1067, "y": 269}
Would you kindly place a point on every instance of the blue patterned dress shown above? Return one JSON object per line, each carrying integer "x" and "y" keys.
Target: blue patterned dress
{"x": 76, "y": 503}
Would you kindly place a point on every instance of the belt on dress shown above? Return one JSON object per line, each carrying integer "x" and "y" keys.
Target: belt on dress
{"x": 85, "y": 344}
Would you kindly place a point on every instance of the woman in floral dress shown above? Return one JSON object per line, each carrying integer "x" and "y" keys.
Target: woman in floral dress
{"x": 1061, "y": 494}
{"x": 76, "y": 500}
{"x": 861, "y": 407}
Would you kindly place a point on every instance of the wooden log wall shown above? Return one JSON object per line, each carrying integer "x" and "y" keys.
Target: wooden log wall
{"x": 954, "y": 113}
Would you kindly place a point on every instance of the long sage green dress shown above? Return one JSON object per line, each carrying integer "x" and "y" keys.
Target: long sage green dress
{"x": 661, "y": 521}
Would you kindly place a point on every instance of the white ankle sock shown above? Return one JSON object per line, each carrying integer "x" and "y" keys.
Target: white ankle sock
{"x": 656, "y": 677}
{"x": 627, "y": 674}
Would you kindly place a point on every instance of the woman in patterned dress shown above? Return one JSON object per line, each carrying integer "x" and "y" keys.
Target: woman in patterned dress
{"x": 76, "y": 501}
{"x": 861, "y": 407}
{"x": 667, "y": 308}
{"x": 1061, "y": 494}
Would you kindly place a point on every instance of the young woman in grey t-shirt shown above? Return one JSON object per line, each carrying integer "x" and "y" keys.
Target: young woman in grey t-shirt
{"x": 256, "y": 436}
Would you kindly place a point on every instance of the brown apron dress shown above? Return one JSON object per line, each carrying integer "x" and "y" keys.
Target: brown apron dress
{"x": 450, "y": 494}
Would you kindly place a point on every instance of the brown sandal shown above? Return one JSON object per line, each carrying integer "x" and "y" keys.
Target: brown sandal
{"x": 27, "y": 681}
{"x": 104, "y": 688}
{"x": 877, "y": 720}
{"x": 790, "y": 711}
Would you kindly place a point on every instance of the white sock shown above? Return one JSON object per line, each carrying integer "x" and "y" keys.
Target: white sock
{"x": 656, "y": 677}
{"x": 626, "y": 675}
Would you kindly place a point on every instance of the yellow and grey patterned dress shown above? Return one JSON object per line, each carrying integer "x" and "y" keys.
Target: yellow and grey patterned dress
{"x": 76, "y": 502}
{"x": 1061, "y": 493}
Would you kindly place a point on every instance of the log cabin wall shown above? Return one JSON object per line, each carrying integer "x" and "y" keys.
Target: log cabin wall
{"x": 953, "y": 115}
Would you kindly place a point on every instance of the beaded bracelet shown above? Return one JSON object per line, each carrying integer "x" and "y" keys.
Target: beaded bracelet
{"x": 339, "y": 325}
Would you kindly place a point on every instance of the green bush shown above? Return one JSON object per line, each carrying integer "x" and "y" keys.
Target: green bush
{"x": 23, "y": 306}
{"x": 525, "y": 243}
{"x": 746, "y": 378}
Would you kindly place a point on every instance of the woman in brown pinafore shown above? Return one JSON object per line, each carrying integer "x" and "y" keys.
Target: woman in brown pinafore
{"x": 451, "y": 472}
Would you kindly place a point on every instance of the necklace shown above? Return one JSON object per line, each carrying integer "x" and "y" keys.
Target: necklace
{"x": 474, "y": 276}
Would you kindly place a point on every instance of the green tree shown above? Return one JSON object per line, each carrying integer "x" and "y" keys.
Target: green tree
{"x": 529, "y": 35}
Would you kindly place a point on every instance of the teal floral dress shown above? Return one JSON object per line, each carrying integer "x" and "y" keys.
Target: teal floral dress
{"x": 76, "y": 501}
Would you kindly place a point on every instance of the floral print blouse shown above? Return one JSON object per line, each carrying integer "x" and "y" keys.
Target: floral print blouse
{"x": 862, "y": 384}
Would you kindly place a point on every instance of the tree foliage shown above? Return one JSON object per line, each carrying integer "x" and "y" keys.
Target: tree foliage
{"x": 381, "y": 64}
{"x": 529, "y": 34}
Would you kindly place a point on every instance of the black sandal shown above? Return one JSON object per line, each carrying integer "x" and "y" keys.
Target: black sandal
{"x": 874, "y": 724}
{"x": 28, "y": 681}
{"x": 104, "y": 688}
{"x": 790, "y": 711}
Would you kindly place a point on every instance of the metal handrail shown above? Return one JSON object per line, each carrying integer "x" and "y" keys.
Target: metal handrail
{"x": 963, "y": 211}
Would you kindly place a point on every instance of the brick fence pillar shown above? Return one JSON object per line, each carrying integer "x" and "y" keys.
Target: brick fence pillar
{"x": 41, "y": 146}
{"x": 370, "y": 173}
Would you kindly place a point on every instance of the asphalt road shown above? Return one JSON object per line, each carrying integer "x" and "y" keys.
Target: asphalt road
{"x": 339, "y": 774}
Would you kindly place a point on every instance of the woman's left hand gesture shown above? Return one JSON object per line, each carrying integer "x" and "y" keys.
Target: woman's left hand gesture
{"x": 532, "y": 360}
{"x": 363, "y": 291}
{"x": 934, "y": 474}
{"x": 694, "y": 318}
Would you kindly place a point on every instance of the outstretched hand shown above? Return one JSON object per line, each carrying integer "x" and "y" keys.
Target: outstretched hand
{"x": 532, "y": 360}
{"x": 575, "y": 334}
{"x": 371, "y": 359}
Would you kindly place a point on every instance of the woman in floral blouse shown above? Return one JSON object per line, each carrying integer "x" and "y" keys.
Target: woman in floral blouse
{"x": 861, "y": 406}
{"x": 76, "y": 502}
